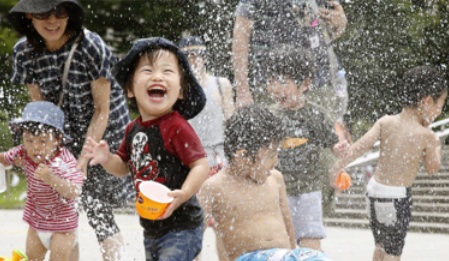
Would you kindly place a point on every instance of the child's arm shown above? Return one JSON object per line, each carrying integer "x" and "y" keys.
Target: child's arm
{"x": 341, "y": 149}
{"x": 98, "y": 153}
{"x": 199, "y": 170}
{"x": 357, "y": 149}
{"x": 63, "y": 186}
{"x": 285, "y": 209}
{"x": 432, "y": 154}
{"x": 2, "y": 159}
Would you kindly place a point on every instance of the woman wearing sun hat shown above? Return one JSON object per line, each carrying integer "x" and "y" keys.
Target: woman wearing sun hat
{"x": 62, "y": 62}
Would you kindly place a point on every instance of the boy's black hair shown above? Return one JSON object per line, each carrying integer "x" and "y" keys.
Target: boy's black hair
{"x": 298, "y": 64}
{"x": 420, "y": 82}
{"x": 24, "y": 26}
{"x": 251, "y": 128}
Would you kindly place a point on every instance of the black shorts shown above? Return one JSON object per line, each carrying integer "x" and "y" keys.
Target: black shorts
{"x": 390, "y": 220}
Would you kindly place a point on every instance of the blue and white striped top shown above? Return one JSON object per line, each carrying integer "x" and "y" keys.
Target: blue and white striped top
{"x": 92, "y": 59}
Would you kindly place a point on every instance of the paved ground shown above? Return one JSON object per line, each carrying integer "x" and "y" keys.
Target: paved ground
{"x": 341, "y": 244}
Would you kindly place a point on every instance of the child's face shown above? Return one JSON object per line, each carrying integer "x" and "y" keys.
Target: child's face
{"x": 156, "y": 87}
{"x": 41, "y": 147}
{"x": 286, "y": 93}
{"x": 51, "y": 26}
{"x": 434, "y": 108}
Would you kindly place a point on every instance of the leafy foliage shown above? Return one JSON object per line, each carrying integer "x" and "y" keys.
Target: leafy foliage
{"x": 382, "y": 41}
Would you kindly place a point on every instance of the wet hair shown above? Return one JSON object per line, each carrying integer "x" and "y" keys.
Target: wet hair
{"x": 37, "y": 128}
{"x": 73, "y": 29}
{"x": 152, "y": 55}
{"x": 420, "y": 82}
{"x": 297, "y": 64}
{"x": 251, "y": 128}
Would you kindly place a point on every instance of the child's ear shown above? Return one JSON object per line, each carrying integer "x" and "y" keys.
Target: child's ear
{"x": 130, "y": 93}
{"x": 181, "y": 93}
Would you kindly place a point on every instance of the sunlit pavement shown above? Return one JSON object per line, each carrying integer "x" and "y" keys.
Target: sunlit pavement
{"x": 341, "y": 244}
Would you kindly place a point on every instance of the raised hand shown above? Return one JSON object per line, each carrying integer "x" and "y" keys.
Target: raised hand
{"x": 96, "y": 152}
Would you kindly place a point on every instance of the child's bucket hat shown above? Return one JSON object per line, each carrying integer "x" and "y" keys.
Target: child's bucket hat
{"x": 21, "y": 23}
{"x": 193, "y": 45}
{"x": 46, "y": 113}
{"x": 194, "y": 99}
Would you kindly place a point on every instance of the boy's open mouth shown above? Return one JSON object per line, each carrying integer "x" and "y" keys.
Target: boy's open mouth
{"x": 157, "y": 92}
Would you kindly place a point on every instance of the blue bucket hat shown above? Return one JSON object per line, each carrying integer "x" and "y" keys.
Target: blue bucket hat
{"x": 194, "y": 98}
{"x": 46, "y": 113}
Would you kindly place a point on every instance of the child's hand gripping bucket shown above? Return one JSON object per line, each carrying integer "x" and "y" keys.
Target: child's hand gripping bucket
{"x": 152, "y": 200}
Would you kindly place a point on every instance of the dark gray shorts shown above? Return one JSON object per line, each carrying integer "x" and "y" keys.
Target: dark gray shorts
{"x": 390, "y": 220}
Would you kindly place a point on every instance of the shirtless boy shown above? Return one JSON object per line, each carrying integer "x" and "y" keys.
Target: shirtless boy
{"x": 247, "y": 199}
{"x": 405, "y": 141}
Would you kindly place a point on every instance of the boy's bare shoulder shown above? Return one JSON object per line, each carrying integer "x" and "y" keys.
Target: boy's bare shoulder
{"x": 214, "y": 183}
{"x": 277, "y": 176}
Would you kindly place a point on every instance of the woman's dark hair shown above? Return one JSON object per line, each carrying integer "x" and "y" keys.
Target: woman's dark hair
{"x": 251, "y": 128}
{"x": 420, "y": 82}
{"x": 74, "y": 26}
{"x": 152, "y": 55}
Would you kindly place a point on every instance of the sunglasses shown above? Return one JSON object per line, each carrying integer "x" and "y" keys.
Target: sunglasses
{"x": 60, "y": 12}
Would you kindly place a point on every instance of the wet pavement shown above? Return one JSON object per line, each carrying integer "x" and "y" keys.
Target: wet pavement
{"x": 342, "y": 244}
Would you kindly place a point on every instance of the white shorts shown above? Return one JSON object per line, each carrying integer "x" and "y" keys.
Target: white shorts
{"x": 45, "y": 238}
{"x": 307, "y": 215}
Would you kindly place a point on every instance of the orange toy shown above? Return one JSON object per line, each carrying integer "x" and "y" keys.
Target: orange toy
{"x": 17, "y": 255}
{"x": 343, "y": 181}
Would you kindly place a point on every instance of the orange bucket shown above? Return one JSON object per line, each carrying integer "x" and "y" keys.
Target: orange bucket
{"x": 343, "y": 181}
{"x": 152, "y": 200}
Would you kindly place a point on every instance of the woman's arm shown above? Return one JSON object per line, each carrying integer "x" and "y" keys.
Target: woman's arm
{"x": 101, "y": 90}
{"x": 35, "y": 92}
{"x": 240, "y": 49}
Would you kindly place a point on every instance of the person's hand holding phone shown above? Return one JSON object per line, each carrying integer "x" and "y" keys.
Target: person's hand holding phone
{"x": 333, "y": 14}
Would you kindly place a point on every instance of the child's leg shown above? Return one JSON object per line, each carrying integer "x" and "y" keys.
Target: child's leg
{"x": 62, "y": 245}
{"x": 379, "y": 254}
{"x": 312, "y": 243}
{"x": 35, "y": 250}
{"x": 391, "y": 258}
{"x": 75, "y": 255}
{"x": 307, "y": 217}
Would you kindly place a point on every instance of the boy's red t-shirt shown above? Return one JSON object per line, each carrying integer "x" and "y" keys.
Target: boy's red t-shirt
{"x": 162, "y": 150}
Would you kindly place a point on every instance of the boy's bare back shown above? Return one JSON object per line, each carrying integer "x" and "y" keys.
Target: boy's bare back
{"x": 404, "y": 144}
{"x": 248, "y": 216}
